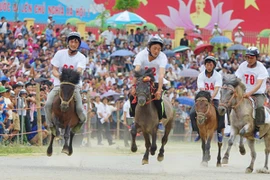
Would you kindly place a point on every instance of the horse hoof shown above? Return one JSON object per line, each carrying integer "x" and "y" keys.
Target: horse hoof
{"x": 144, "y": 161}
{"x": 209, "y": 158}
{"x": 65, "y": 151}
{"x": 70, "y": 153}
{"x": 204, "y": 164}
{"x": 263, "y": 171}
{"x": 242, "y": 150}
{"x": 225, "y": 161}
{"x": 134, "y": 148}
{"x": 153, "y": 153}
{"x": 49, "y": 154}
{"x": 218, "y": 165}
{"x": 160, "y": 158}
{"x": 249, "y": 170}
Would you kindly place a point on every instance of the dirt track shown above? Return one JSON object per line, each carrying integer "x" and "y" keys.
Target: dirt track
{"x": 182, "y": 161}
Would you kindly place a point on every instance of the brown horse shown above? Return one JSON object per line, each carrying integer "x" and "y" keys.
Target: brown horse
{"x": 146, "y": 116}
{"x": 64, "y": 110}
{"x": 207, "y": 122}
{"x": 242, "y": 121}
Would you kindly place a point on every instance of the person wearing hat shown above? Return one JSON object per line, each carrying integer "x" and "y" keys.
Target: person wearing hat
{"x": 216, "y": 31}
{"x": 50, "y": 20}
{"x": 67, "y": 58}
{"x": 3, "y": 112}
{"x": 20, "y": 42}
{"x": 238, "y": 36}
{"x": 209, "y": 80}
{"x": 184, "y": 40}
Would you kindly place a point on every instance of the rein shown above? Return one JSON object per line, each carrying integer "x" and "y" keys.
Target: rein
{"x": 230, "y": 100}
{"x": 70, "y": 99}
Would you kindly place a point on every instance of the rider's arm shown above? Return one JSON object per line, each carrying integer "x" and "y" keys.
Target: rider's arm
{"x": 137, "y": 68}
{"x": 216, "y": 89}
{"x": 256, "y": 88}
{"x": 55, "y": 72}
{"x": 80, "y": 70}
{"x": 160, "y": 78}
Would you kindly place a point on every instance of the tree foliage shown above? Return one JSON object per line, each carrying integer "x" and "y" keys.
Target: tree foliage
{"x": 129, "y": 5}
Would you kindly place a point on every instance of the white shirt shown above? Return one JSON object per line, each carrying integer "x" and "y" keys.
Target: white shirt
{"x": 216, "y": 32}
{"x": 249, "y": 76}
{"x": 238, "y": 37}
{"x": 108, "y": 79}
{"x": 108, "y": 35}
{"x": 209, "y": 84}
{"x": 63, "y": 59}
{"x": 3, "y": 29}
{"x": 99, "y": 107}
{"x": 126, "y": 108}
{"x": 142, "y": 60}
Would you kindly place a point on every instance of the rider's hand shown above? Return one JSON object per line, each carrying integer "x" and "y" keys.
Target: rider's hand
{"x": 158, "y": 95}
{"x": 246, "y": 95}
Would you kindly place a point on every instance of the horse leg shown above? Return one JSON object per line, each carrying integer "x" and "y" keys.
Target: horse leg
{"x": 70, "y": 149}
{"x": 266, "y": 151}
{"x": 242, "y": 149}
{"x": 66, "y": 137}
{"x": 164, "y": 140}
{"x": 204, "y": 162}
{"x": 226, "y": 156}
{"x": 219, "y": 154}
{"x": 251, "y": 143}
{"x": 133, "y": 135}
{"x": 154, "y": 142}
{"x": 147, "y": 147}
{"x": 245, "y": 129}
{"x": 50, "y": 148}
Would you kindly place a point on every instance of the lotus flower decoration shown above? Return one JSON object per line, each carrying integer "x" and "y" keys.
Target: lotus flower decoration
{"x": 182, "y": 18}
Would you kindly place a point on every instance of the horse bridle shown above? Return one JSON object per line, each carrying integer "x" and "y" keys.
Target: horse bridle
{"x": 228, "y": 104}
{"x": 148, "y": 99}
{"x": 202, "y": 114}
{"x": 70, "y": 99}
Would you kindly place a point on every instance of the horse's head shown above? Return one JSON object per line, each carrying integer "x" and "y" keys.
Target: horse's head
{"x": 231, "y": 90}
{"x": 145, "y": 79}
{"x": 69, "y": 78}
{"x": 202, "y": 105}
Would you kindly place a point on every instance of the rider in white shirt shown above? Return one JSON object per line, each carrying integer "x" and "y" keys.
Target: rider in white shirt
{"x": 254, "y": 75}
{"x": 66, "y": 58}
{"x": 152, "y": 57}
{"x": 210, "y": 80}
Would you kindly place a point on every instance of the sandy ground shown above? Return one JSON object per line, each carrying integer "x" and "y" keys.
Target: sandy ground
{"x": 182, "y": 161}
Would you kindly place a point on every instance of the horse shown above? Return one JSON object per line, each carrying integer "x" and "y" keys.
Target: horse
{"x": 242, "y": 121}
{"x": 146, "y": 116}
{"x": 64, "y": 110}
{"x": 207, "y": 123}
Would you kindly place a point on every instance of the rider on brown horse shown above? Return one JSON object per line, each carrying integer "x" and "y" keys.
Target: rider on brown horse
{"x": 152, "y": 57}
{"x": 66, "y": 58}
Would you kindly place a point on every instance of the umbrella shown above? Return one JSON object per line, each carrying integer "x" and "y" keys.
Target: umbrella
{"x": 202, "y": 48}
{"x": 169, "y": 53}
{"x": 189, "y": 73}
{"x": 4, "y": 78}
{"x": 195, "y": 35}
{"x": 110, "y": 93}
{"x": 125, "y": 18}
{"x": 238, "y": 47}
{"x": 84, "y": 45}
{"x": 122, "y": 52}
{"x": 186, "y": 101}
{"x": 220, "y": 39}
{"x": 180, "y": 48}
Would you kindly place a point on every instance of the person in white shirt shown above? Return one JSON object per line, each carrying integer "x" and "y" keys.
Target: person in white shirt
{"x": 108, "y": 36}
{"x": 3, "y": 25}
{"x": 238, "y": 36}
{"x": 224, "y": 54}
{"x": 254, "y": 75}
{"x": 126, "y": 120}
{"x": 216, "y": 31}
{"x": 66, "y": 58}
{"x": 152, "y": 57}
{"x": 200, "y": 42}
{"x": 209, "y": 80}
{"x": 196, "y": 29}
{"x": 110, "y": 78}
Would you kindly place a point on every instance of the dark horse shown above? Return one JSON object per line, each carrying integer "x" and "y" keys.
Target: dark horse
{"x": 64, "y": 109}
{"x": 146, "y": 116}
{"x": 207, "y": 122}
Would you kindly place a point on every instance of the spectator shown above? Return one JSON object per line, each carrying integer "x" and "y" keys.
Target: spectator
{"x": 50, "y": 20}
{"x": 184, "y": 40}
{"x": 238, "y": 36}
{"x": 216, "y": 31}
{"x": 3, "y": 25}
{"x": 108, "y": 36}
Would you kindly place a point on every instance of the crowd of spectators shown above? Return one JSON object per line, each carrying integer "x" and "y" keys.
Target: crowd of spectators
{"x": 25, "y": 56}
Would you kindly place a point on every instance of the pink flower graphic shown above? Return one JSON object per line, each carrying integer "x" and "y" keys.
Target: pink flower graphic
{"x": 181, "y": 18}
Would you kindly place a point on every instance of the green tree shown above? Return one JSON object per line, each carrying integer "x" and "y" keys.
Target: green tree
{"x": 129, "y": 5}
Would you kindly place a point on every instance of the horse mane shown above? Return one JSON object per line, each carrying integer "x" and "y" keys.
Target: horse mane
{"x": 70, "y": 75}
{"x": 231, "y": 79}
{"x": 205, "y": 94}
{"x": 143, "y": 73}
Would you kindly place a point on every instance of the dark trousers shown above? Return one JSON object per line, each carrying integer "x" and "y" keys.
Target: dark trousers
{"x": 106, "y": 126}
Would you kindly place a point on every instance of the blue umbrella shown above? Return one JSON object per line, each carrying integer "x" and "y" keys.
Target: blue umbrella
{"x": 220, "y": 39}
{"x": 169, "y": 53}
{"x": 125, "y": 18}
{"x": 84, "y": 45}
{"x": 122, "y": 52}
{"x": 180, "y": 48}
{"x": 186, "y": 101}
{"x": 4, "y": 78}
{"x": 238, "y": 47}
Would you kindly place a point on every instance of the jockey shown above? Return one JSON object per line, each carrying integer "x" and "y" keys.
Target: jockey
{"x": 66, "y": 58}
{"x": 209, "y": 80}
{"x": 152, "y": 57}
{"x": 254, "y": 75}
